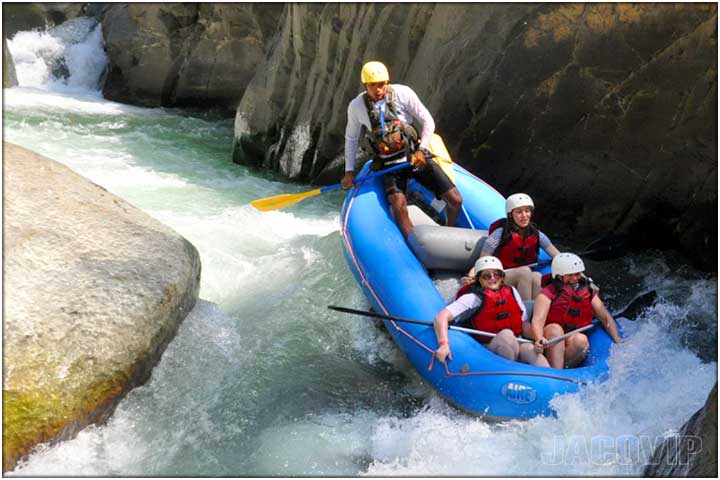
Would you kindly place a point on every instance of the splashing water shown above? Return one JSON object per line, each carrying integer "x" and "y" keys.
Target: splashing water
{"x": 262, "y": 380}
{"x": 65, "y": 58}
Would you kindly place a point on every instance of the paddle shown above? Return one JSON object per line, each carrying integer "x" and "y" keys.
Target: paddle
{"x": 606, "y": 248}
{"x": 638, "y": 304}
{"x": 366, "y": 313}
{"x": 559, "y": 339}
{"x": 283, "y": 200}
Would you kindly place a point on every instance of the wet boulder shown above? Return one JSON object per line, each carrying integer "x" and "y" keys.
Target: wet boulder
{"x": 94, "y": 290}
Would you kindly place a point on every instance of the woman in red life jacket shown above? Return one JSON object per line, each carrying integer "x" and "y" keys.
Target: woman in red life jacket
{"x": 495, "y": 308}
{"x": 570, "y": 302}
{"x": 516, "y": 241}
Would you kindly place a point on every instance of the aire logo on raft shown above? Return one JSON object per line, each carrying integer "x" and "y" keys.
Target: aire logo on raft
{"x": 518, "y": 392}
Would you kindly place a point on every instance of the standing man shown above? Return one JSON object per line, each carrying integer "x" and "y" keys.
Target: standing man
{"x": 387, "y": 112}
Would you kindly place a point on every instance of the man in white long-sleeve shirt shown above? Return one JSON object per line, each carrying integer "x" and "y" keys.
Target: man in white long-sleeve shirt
{"x": 387, "y": 112}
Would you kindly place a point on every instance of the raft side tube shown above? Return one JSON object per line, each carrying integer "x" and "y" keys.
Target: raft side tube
{"x": 418, "y": 217}
{"x": 446, "y": 248}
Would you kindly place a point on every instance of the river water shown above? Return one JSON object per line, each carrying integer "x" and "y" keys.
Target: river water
{"x": 263, "y": 380}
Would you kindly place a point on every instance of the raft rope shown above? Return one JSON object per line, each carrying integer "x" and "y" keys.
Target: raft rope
{"x": 466, "y": 374}
{"x": 348, "y": 243}
{"x": 431, "y": 351}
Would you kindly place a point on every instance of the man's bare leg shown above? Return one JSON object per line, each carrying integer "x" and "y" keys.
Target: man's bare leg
{"x": 398, "y": 206}
{"x": 453, "y": 201}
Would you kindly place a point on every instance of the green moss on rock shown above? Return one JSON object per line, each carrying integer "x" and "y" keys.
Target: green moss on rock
{"x": 38, "y": 416}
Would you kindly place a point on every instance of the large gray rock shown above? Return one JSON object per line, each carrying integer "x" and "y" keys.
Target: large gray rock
{"x": 186, "y": 54}
{"x": 94, "y": 289}
{"x": 693, "y": 452}
{"x": 605, "y": 113}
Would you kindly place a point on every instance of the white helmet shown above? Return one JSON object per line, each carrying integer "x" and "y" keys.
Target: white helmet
{"x": 566, "y": 263}
{"x": 518, "y": 200}
{"x": 488, "y": 262}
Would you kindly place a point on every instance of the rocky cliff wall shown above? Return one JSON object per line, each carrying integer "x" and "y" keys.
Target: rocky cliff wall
{"x": 605, "y": 113}
{"x": 94, "y": 290}
{"x": 608, "y": 113}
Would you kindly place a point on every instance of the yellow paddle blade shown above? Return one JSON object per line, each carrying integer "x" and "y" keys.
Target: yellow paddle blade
{"x": 442, "y": 156}
{"x": 281, "y": 201}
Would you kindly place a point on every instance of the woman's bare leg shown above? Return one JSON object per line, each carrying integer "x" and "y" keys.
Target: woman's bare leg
{"x": 576, "y": 349}
{"x": 505, "y": 344}
{"x": 555, "y": 354}
{"x": 522, "y": 279}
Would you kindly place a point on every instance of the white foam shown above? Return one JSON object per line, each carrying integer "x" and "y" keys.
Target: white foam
{"x": 323, "y": 445}
{"x": 31, "y": 52}
{"x": 88, "y": 102}
{"x": 76, "y": 44}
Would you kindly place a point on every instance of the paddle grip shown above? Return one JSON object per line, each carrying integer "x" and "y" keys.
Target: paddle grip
{"x": 330, "y": 188}
{"x": 358, "y": 181}
{"x": 394, "y": 168}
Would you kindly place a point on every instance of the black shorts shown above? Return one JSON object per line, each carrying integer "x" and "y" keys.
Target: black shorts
{"x": 431, "y": 176}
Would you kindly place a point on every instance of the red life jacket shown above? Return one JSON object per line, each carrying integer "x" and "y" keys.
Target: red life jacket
{"x": 499, "y": 310}
{"x": 514, "y": 250}
{"x": 570, "y": 308}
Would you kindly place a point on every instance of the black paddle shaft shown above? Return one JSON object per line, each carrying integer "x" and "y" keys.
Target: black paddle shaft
{"x": 377, "y": 315}
{"x": 639, "y": 304}
{"x": 365, "y": 313}
{"x": 608, "y": 247}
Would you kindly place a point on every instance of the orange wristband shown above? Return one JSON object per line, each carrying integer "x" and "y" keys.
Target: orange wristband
{"x": 443, "y": 342}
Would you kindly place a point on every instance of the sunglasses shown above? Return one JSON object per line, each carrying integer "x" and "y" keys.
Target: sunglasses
{"x": 489, "y": 275}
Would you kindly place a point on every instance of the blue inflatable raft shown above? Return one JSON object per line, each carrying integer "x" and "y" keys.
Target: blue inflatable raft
{"x": 397, "y": 283}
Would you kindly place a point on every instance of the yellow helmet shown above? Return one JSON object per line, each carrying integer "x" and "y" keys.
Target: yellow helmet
{"x": 373, "y": 72}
